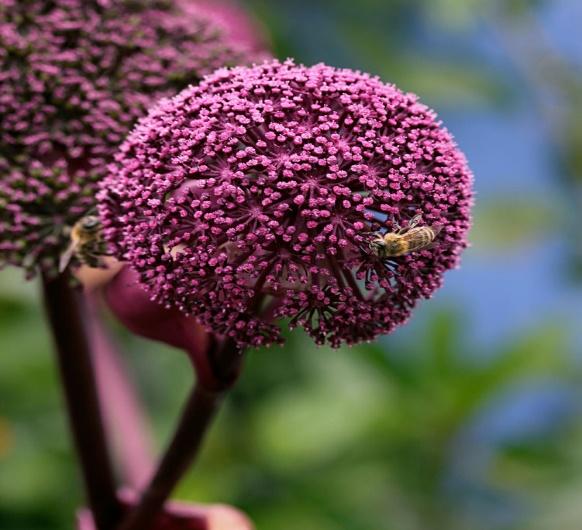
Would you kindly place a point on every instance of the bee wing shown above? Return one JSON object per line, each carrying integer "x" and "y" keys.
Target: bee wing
{"x": 420, "y": 241}
{"x": 414, "y": 221}
{"x": 437, "y": 229}
{"x": 416, "y": 242}
{"x": 67, "y": 256}
{"x": 419, "y": 238}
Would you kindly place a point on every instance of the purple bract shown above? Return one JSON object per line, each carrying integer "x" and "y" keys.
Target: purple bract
{"x": 242, "y": 26}
{"x": 181, "y": 516}
{"x": 255, "y": 196}
{"x": 75, "y": 76}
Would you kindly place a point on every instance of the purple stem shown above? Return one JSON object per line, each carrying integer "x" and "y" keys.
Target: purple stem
{"x": 197, "y": 417}
{"x": 122, "y": 409}
{"x": 64, "y": 312}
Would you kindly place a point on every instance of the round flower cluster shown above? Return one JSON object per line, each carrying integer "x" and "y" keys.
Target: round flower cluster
{"x": 256, "y": 195}
{"x": 75, "y": 76}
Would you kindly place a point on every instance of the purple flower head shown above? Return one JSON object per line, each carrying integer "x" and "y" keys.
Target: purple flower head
{"x": 256, "y": 195}
{"x": 75, "y": 76}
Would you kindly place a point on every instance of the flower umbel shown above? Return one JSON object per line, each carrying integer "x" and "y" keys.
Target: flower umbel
{"x": 75, "y": 77}
{"x": 255, "y": 196}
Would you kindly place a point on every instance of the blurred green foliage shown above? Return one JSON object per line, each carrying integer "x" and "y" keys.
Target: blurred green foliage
{"x": 38, "y": 482}
{"x": 505, "y": 225}
{"x": 312, "y": 438}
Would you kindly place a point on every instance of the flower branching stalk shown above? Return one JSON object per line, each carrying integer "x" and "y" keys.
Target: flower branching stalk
{"x": 254, "y": 197}
{"x": 217, "y": 364}
{"x": 224, "y": 359}
{"x": 64, "y": 312}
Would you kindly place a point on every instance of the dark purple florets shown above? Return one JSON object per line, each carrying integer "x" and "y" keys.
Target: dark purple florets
{"x": 75, "y": 75}
{"x": 256, "y": 195}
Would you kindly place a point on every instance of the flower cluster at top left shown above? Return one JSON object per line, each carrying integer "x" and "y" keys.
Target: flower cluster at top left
{"x": 75, "y": 75}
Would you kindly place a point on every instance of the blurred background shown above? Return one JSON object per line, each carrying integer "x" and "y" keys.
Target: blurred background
{"x": 468, "y": 418}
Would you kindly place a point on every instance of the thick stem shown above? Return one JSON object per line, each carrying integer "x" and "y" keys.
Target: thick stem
{"x": 197, "y": 417}
{"x": 63, "y": 309}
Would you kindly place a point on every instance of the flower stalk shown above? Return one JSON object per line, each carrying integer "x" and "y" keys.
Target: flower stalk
{"x": 199, "y": 412}
{"x": 64, "y": 313}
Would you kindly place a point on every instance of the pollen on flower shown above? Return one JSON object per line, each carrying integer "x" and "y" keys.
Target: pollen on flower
{"x": 75, "y": 76}
{"x": 269, "y": 184}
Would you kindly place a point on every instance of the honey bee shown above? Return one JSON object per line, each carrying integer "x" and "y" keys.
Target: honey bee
{"x": 405, "y": 240}
{"x": 86, "y": 244}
